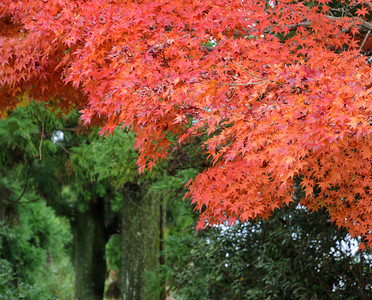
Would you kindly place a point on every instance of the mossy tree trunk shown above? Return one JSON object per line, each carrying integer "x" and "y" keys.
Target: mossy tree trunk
{"x": 140, "y": 243}
{"x": 90, "y": 264}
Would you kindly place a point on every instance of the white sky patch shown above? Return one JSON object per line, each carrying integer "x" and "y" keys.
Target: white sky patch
{"x": 57, "y": 136}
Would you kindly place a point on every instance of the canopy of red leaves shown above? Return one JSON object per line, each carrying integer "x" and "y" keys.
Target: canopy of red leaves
{"x": 280, "y": 87}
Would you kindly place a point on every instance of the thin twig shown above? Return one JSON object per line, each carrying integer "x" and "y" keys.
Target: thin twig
{"x": 69, "y": 129}
{"x": 365, "y": 39}
{"x": 164, "y": 59}
{"x": 245, "y": 120}
{"x": 63, "y": 148}
{"x": 262, "y": 79}
{"x": 363, "y": 23}
{"x": 24, "y": 189}
{"x": 239, "y": 66}
{"x": 42, "y": 135}
{"x": 18, "y": 201}
{"x": 24, "y": 202}
{"x": 244, "y": 84}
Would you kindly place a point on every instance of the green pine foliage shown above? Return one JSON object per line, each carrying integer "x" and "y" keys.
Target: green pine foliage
{"x": 116, "y": 158}
{"x": 34, "y": 241}
{"x": 294, "y": 255}
{"x": 34, "y": 254}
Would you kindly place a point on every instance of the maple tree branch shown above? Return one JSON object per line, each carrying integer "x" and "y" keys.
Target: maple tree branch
{"x": 239, "y": 66}
{"x": 245, "y": 84}
{"x": 365, "y": 39}
{"x": 363, "y": 23}
{"x": 241, "y": 118}
{"x": 245, "y": 70}
{"x": 164, "y": 59}
{"x": 245, "y": 120}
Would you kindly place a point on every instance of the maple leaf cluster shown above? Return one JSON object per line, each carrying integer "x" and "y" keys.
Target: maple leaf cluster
{"x": 280, "y": 88}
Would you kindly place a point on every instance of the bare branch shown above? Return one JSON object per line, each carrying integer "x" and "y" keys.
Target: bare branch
{"x": 239, "y": 66}
{"x": 245, "y": 84}
{"x": 365, "y": 39}
{"x": 364, "y": 24}
{"x": 42, "y": 135}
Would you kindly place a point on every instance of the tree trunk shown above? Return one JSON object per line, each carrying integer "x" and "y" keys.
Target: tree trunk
{"x": 140, "y": 243}
{"x": 90, "y": 264}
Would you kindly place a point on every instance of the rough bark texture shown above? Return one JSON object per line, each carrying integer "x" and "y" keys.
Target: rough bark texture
{"x": 140, "y": 246}
{"x": 90, "y": 264}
